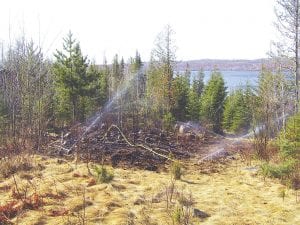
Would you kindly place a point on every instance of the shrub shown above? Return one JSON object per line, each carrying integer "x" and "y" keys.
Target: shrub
{"x": 103, "y": 175}
{"x": 281, "y": 171}
{"x": 282, "y": 193}
{"x": 237, "y": 114}
{"x": 288, "y": 142}
{"x": 176, "y": 170}
{"x": 15, "y": 164}
{"x": 265, "y": 170}
{"x": 183, "y": 213}
{"x": 177, "y": 216}
{"x": 168, "y": 121}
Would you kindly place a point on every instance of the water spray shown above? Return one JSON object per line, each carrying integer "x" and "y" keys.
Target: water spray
{"x": 220, "y": 151}
{"x": 123, "y": 89}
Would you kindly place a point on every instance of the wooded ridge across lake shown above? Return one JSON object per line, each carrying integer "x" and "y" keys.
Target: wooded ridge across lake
{"x": 223, "y": 64}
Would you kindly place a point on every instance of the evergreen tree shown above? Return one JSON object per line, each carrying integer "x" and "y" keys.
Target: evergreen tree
{"x": 288, "y": 167}
{"x": 97, "y": 89}
{"x": 122, "y": 69}
{"x": 193, "y": 105}
{"x": 290, "y": 139}
{"x": 117, "y": 77}
{"x": 155, "y": 91}
{"x": 136, "y": 91}
{"x": 212, "y": 102}
{"x": 103, "y": 82}
{"x": 194, "y": 97}
{"x": 140, "y": 81}
{"x": 136, "y": 62}
{"x": 180, "y": 90}
{"x": 198, "y": 83}
{"x": 237, "y": 115}
{"x": 160, "y": 73}
{"x": 71, "y": 81}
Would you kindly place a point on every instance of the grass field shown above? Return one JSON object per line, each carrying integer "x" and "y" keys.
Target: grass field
{"x": 230, "y": 192}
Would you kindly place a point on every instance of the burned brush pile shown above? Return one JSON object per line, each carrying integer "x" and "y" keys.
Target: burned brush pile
{"x": 143, "y": 149}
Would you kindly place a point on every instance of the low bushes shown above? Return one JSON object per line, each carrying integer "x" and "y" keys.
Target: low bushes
{"x": 176, "y": 170}
{"x": 103, "y": 175}
{"x": 288, "y": 167}
{"x": 14, "y": 164}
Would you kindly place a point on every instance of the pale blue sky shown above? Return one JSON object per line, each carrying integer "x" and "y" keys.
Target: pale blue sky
{"x": 219, "y": 29}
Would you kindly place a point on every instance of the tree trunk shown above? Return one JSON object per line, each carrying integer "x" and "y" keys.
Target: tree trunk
{"x": 297, "y": 55}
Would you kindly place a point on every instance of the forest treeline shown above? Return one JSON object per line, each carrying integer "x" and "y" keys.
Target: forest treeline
{"x": 39, "y": 96}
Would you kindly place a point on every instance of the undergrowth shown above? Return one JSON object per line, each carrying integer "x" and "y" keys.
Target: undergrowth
{"x": 103, "y": 175}
{"x": 176, "y": 170}
{"x": 287, "y": 167}
{"x": 15, "y": 164}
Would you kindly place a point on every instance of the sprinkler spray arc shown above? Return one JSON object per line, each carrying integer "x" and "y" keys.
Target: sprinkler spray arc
{"x": 107, "y": 108}
{"x": 220, "y": 151}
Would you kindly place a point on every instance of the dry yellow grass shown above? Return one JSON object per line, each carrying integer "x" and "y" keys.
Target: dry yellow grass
{"x": 234, "y": 195}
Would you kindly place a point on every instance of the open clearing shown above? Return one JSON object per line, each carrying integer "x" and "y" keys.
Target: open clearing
{"x": 233, "y": 194}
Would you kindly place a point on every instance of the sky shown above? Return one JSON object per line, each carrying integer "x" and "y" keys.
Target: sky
{"x": 215, "y": 29}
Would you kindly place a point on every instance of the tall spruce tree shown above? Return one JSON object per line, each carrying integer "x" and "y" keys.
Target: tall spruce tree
{"x": 212, "y": 102}
{"x": 96, "y": 91}
{"x": 198, "y": 83}
{"x": 195, "y": 93}
{"x": 140, "y": 80}
{"x": 136, "y": 92}
{"x": 161, "y": 70}
{"x": 237, "y": 115}
{"x": 180, "y": 88}
{"x": 70, "y": 69}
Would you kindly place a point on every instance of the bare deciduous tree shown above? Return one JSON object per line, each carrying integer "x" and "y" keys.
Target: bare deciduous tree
{"x": 25, "y": 85}
{"x": 288, "y": 15}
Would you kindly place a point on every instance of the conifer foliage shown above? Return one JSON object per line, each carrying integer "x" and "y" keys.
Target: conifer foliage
{"x": 180, "y": 95}
{"x": 71, "y": 81}
{"x": 212, "y": 102}
{"x": 195, "y": 92}
{"x": 237, "y": 112}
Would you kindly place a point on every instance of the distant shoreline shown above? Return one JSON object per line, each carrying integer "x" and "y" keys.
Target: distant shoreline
{"x": 227, "y": 70}
{"x": 220, "y": 64}
{"x": 224, "y": 64}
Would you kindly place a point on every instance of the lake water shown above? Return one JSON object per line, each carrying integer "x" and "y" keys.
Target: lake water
{"x": 233, "y": 79}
